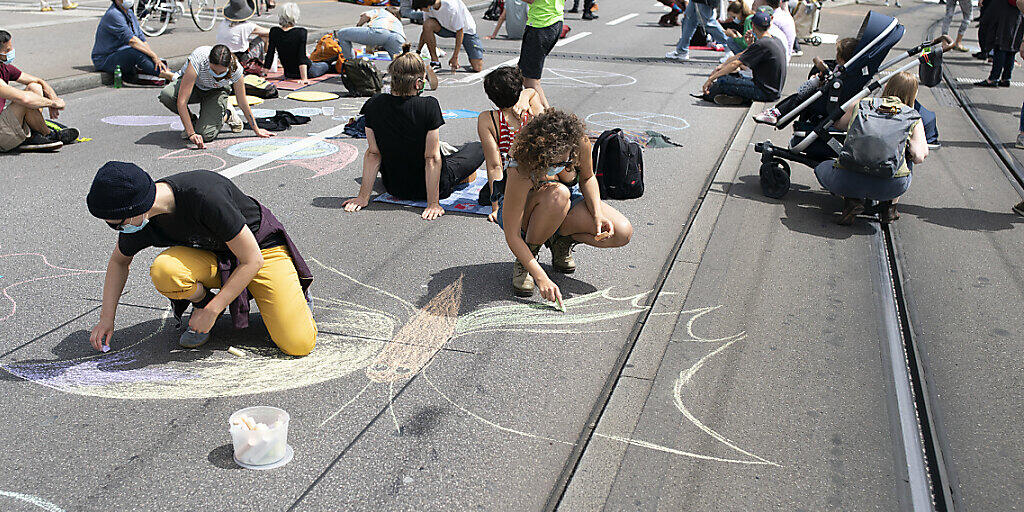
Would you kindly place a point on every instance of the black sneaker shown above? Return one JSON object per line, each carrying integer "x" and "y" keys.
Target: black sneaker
{"x": 40, "y": 142}
{"x": 66, "y": 135}
{"x": 1004, "y": 83}
{"x": 436, "y": 66}
{"x": 728, "y": 99}
{"x": 590, "y": 16}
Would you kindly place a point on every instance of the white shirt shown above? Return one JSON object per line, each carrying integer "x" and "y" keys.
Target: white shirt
{"x": 454, "y": 15}
{"x": 782, "y": 19}
{"x": 382, "y": 19}
{"x": 235, "y": 37}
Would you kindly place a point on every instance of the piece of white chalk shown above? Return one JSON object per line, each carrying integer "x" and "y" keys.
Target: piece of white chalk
{"x": 106, "y": 348}
{"x": 236, "y": 351}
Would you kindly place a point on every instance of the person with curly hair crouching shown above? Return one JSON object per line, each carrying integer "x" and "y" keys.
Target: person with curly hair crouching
{"x": 552, "y": 199}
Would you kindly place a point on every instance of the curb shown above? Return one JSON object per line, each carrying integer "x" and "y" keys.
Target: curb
{"x": 86, "y": 81}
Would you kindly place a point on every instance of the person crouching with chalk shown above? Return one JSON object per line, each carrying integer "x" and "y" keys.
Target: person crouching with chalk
{"x": 551, "y": 197}
{"x": 216, "y": 238}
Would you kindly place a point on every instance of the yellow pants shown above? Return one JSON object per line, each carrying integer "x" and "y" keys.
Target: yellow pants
{"x": 276, "y": 289}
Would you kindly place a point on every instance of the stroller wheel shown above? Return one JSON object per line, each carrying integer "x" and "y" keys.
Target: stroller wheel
{"x": 775, "y": 178}
{"x": 815, "y": 41}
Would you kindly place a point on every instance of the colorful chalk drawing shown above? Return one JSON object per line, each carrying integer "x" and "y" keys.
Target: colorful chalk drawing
{"x": 638, "y": 121}
{"x": 355, "y": 337}
{"x": 6, "y": 290}
{"x": 459, "y": 114}
{"x": 31, "y": 500}
{"x": 322, "y": 158}
{"x": 174, "y": 122}
{"x": 553, "y": 77}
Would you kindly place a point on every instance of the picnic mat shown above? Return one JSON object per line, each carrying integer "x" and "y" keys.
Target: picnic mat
{"x": 253, "y": 100}
{"x": 463, "y": 199}
{"x": 287, "y": 84}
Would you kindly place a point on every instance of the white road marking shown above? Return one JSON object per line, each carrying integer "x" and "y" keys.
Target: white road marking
{"x": 568, "y": 40}
{"x": 616, "y": 21}
{"x": 277, "y": 154}
{"x": 22, "y": 26}
{"x": 969, "y": 80}
{"x": 482, "y": 74}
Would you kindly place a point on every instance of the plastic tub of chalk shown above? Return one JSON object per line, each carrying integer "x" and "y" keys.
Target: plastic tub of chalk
{"x": 259, "y": 436}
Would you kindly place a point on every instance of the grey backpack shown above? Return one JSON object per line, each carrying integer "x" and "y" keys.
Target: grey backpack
{"x": 876, "y": 142}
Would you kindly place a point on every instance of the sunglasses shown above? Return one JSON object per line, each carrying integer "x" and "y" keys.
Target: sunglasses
{"x": 118, "y": 226}
{"x": 566, "y": 163}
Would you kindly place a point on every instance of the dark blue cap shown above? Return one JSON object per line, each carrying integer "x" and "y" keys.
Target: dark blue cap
{"x": 121, "y": 190}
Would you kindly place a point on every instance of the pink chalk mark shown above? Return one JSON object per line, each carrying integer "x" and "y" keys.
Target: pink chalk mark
{"x": 70, "y": 273}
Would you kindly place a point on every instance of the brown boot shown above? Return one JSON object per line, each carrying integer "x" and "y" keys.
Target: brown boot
{"x": 887, "y": 212}
{"x": 522, "y": 281}
{"x": 851, "y": 209}
{"x": 561, "y": 253}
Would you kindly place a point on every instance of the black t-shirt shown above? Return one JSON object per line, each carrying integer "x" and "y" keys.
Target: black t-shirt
{"x": 209, "y": 211}
{"x": 766, "y": 59}
{"x": 400, "y": 125}
{"x": 291, "y": 46}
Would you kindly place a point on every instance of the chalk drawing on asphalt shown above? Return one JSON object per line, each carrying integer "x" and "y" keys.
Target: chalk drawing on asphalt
{"x": 36, "y": 501}
{"x": 11, "y": 307}
{"x": 638, "y": 121}
{"x": 322, "y": 158}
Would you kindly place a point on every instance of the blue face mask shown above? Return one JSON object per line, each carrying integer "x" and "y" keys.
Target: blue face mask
{"x": 218, "y": 77}
{"x": 9, "y": 58}
{"x": 131, "y": 228}
{"x": 554, "y": 171}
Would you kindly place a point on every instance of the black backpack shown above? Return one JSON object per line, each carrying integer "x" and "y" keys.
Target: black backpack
{"x": 619, "y": 166}
{"x": 361, "y": 78}
{"x": 494, "y": 11}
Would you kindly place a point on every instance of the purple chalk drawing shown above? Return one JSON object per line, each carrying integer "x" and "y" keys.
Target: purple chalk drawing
{"x": 173, "y": 121}
{"x": 95, "y": 371}
{"x": 67, "y": 272}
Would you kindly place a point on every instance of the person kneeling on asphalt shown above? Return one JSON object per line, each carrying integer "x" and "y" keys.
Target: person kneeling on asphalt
{"x": 450, "y": 18}
{"x": 22, "y": 124}
{"x": 883, "y": 133}
{"x": 378, "y": 27}
{"x": 217, "y": 238}
{"x": 766, "y": 58}
{"x": 404, "y": 145}
{"x": 204, "y": 79}
{"x": 121, "y": 42}
{"x": 553, "y": 199}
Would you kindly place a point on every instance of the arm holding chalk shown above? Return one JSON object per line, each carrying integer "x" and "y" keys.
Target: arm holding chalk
{"x": 113, "y": 286}
{"x": 603, "y": 227}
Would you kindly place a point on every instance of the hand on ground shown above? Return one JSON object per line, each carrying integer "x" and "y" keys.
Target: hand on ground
{"x": 101, "y": 334}
{"x": 432, "y": 212}
{"x": 355, "y": 204}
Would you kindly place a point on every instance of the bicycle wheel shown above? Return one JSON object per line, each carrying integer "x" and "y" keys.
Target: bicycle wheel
{"x": 204, "y": 13}
{"x": 154, "y": 16}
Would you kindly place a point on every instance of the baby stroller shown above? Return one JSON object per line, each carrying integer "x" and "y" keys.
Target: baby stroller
{"x": 814, "y": 140}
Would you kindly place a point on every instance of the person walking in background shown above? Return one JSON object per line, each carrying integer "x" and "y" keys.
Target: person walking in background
{"x": 44, "y": 6}
{"x": 452, "y": 19}
{"x": 543, "y": 28}
{"x": 1003, "y": 37}
{"x": 670, "y": 18}
{"x": 697, "y": 12}
{"x": 120, "y": 42}
{"x": 588, "y": 9}
{"x": 967, "y": 9}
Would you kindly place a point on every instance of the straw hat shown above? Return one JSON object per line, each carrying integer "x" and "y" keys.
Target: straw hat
{"x": 238, "y": 10}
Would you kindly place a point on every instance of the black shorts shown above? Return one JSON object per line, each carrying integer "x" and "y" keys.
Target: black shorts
{"x": 537, "y": 44}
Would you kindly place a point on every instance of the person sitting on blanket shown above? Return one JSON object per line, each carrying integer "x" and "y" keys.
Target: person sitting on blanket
{"x": 403, "y": 135}
{"x": 205, "y": 79}
{"x": 378, "y": 27}
{"x": 553, "y": 199}
{"x": 845, "y": 49}
{"x": 289, "y": 42}
{"x": 247, "y": 40}
{"x": 216, "y": 237}
{"x": 22, "y": 123}
{"x": 498, "y": 128}
{"x": 766, "y": 58}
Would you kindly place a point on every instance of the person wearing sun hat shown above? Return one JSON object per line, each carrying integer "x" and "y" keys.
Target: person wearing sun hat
{"x": 247, "y": 40}
{"x": 216, "y": 238}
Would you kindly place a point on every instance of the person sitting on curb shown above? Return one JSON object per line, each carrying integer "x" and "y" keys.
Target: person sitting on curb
{"x": 766, "y": 58}
{"x": 553, "y": 199}
{"x": 404, "y": 146}
{"x": 289, "y": 42}
{"x": 377, "y": 27}
{"x": 498, "y": 128}
{"x": 883, "y": 133}
{"x": 22, "y": 124}
{"x": 120, "y": 42}
{"x": 247, "y": 40}
{"x": 205, "y": 79}
{"x": 450, "y": 18}
{"x": 216, "y": 238}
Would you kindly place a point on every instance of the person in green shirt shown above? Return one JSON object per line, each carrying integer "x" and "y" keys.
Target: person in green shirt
{"x": 543, "y": 27}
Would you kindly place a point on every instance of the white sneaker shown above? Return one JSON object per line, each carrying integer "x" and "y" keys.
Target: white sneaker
{"x": 726, "y": 57}
{"x": 676, "y": 55}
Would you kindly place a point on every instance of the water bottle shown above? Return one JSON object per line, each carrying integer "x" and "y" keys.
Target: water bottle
{"x": 117, "y": 76}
